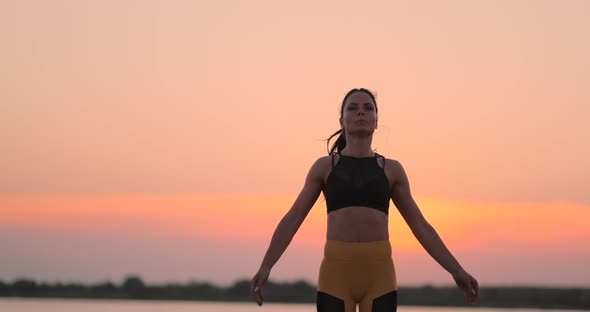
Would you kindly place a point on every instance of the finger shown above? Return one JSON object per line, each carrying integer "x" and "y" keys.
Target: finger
{"x": 475, "y": 289}
{"x": 258, "y": 291}
{"x": 473, "y": 295}
{"x": 468, "y": 290}
{"x": 259, "y": 297}
{"x": 256, "y": 296}
{"x": 255, "y": 289}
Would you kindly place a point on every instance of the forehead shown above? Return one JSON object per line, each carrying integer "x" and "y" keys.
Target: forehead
{"x": 359, "y": 98}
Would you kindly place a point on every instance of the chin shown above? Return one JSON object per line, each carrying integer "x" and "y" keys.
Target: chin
{"x": 362, "y": 132}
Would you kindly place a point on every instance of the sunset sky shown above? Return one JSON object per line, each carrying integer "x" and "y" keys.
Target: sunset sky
{"x": 167, "y": 139}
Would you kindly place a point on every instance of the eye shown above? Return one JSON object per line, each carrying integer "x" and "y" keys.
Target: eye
{"x": 351, "y": 108}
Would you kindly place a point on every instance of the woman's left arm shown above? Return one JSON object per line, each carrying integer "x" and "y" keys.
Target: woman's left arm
{"x": 425, "y": 233}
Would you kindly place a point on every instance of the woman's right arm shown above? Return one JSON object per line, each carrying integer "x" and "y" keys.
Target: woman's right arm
{"x": 293, "y": 219}
{"x": 289, "y": 225}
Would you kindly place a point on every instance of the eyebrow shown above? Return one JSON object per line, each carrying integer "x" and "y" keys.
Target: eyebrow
{"x": 355, "y": 103}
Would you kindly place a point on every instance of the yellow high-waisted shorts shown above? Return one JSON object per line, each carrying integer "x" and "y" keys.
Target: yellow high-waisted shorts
{"x": 354, "y": 273}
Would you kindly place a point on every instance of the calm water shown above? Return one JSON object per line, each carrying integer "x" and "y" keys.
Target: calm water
{"x": 83, "y": 305}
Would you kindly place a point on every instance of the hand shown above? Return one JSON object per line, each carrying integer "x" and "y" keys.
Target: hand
{"x": 468, "y": 284}
{"x": 258, "y": 282}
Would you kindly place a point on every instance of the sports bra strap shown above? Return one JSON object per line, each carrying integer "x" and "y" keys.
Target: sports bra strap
{"x": 376, "y": 155}
{"x": 382, "y": 157}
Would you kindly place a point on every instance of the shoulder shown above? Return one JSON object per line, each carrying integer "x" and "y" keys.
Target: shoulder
{"x": 321, "y": 166}
{"x": 323, "y": 160}
{"x": 395, "y": 169}
{"x": 392, "y": 163}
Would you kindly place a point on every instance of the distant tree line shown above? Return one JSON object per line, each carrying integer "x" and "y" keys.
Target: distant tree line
{"x": 133, "y": 287}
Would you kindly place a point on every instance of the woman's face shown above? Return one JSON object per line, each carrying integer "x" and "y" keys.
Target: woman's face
{"x": 359, "y": 114}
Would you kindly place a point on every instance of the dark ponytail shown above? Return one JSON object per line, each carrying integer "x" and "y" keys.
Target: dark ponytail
{"x": 340, "y": 143}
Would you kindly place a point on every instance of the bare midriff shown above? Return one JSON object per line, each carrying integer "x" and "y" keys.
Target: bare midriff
{"x": 357, "y": 224}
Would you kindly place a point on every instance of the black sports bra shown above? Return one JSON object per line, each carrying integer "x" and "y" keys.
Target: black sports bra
{"x": 357, "y": 181}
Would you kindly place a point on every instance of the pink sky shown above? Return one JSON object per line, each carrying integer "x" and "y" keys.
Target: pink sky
{"x": 183, "y": 132}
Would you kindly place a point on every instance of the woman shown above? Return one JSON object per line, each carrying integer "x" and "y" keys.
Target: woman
{"x": 357, "y": 267}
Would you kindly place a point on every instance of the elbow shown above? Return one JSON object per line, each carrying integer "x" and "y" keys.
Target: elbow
{"x": 293, "y": 219}
{"x": 422, "y": 229}
{"x": 296, "y": 215}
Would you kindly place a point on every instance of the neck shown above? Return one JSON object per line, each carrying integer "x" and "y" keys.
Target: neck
{"x": 358, "y": 146}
